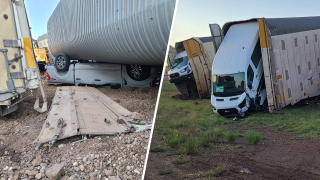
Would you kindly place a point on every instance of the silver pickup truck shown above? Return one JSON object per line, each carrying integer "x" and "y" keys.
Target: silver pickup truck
{"x": 115, "y": 75}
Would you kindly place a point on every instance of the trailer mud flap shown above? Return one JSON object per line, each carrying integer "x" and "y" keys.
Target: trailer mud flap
{"x": 83, "y": 111}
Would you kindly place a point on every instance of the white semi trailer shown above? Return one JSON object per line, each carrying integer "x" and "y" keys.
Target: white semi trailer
{"x": 128, "y": 39}
{"x": 19, "y": 72}
{"x": 265, "y": 63}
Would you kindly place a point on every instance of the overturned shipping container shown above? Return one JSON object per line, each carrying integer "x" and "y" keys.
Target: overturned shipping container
{"x": 198, "y": 53}
{"x": 115, "y": 31}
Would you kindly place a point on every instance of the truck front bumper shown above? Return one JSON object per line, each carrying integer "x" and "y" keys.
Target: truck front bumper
{"x": 180, "y": 78}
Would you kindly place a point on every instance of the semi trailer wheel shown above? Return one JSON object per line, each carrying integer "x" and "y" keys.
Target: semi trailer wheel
{"x": 138, "y": 72}
{"x": 62, "y": 62}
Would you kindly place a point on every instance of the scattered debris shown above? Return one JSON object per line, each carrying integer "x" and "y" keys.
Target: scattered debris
{"x": 55, "y": 171}
{"x": 136, "y": 115}
{"x": 245, "y": 170}
{"x": 59, "y": 130}
{"x": 107, "y": 120}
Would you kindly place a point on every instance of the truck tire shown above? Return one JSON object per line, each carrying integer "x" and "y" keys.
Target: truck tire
{"x": 62, "y": 62}
{"x": 138, "y": 72}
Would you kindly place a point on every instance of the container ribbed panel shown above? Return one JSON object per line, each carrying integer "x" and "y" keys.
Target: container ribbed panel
{"x": 115, "y": 31}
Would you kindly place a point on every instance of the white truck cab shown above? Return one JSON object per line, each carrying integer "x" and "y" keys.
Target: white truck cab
{"x": 237, "y": 72}
{"x": 180, "y": 69}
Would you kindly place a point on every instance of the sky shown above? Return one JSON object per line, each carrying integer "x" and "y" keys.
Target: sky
{"x": 193, "y": 17}
{"x": 39, "y": 11}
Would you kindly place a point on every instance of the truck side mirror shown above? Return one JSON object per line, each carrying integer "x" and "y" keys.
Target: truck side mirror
{"x": 250, "y": 85}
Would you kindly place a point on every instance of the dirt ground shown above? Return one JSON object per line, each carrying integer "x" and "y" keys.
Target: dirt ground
{"x": 98, "y": 157}
{"x": 279, "y": 156}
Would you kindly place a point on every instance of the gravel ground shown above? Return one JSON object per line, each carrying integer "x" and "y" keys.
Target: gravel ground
{"x": 99, "y": 157}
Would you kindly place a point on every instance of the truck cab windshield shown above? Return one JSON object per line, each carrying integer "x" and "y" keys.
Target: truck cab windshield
{"x": 228, "y": 85}
{"x": 180, "y": 62}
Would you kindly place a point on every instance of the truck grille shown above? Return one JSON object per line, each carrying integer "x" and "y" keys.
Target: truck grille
{"x": 228, "y": 112}
{"x": 174, "y": 75}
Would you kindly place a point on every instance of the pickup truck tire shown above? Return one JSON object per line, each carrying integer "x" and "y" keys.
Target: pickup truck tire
{"x": 62, "y": 62}
{"x": 138, "y": 72}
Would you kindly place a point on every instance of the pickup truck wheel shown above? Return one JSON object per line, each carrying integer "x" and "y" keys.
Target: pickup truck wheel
{"x": 138, "y": 72}
{"x": 62, "y": 62}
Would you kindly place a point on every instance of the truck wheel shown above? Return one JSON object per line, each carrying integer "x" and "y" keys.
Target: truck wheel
{"x": 62, "y": 62}
{"x": 138, "y": 72}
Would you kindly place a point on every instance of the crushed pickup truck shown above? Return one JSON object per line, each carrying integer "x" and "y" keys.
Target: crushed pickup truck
{"x": 85, "y": 111}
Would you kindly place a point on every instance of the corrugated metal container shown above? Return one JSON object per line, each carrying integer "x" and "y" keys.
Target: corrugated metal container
{"x": 115, "y": 31}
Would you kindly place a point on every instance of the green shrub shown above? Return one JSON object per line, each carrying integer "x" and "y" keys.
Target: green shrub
{"x": 165, "y": 171}
{"x": 181, "y": 160}
{"x": 253, "y": 137}
{"x": 190, "y": 146}
{"x": 157, "y": 149}
{"x": 230, "y": 137}
{"x": 172, "y": 140}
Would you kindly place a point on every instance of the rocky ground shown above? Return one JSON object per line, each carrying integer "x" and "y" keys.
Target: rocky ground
{"x": 99, "y": 157}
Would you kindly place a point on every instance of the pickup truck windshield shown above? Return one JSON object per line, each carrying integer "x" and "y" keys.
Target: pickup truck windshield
{"x": 228, "y": 85}
{"x": 180, "y": 62}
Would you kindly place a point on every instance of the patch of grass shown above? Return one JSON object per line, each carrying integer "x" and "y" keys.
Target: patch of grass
{"x": 227, "y": 147}
{"x": 174, "y": 153}
{"x": 253, "y": 137}
{"x": 230, "y": 136}
{"x": 165, "y": 171}
{"x": 190, "y": 146}
{"x": 157, "y": 149}
{"x": 218, "y": 171}
{"x": 181, "y": 160}
{"x": 172, "y": 140}
{"x": 300, "y": 118}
